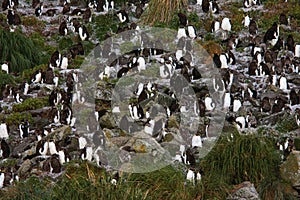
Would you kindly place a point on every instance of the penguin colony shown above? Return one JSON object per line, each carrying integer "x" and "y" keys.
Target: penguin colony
{"x": 266, "y": 70}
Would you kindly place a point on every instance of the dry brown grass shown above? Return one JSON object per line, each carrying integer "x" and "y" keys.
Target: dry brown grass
{"x": 163, "y": 10}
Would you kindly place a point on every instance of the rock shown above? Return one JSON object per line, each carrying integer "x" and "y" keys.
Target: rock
{"x": 107, "y": 121}
{"x": 104, "y": 91}
{"x": 20, "y": 149}
{"x": 25, "y": 168}
{"x": 59, "y": 133}
{"x": 173, "y": 123}
{"x": 290, "y": 169}
{"x": 244, "y": 191}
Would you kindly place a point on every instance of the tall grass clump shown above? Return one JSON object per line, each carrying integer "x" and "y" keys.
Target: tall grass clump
{"x": 82, "y": 180}
{"x": 163, "y": 11}
{"x": 5, "y": 79}
{"x": 237, "y": 158}
{"x": 19, "y": 51}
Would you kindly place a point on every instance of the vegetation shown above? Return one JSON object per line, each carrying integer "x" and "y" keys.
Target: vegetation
{"x": 17, "y": 118}
{"x": 163, "y": 11}
{"x": 19, "y": 51}
{"x": 5, "y": 79}
{"x": 103, "y": 25}
{"x": 30, "y": 104}
{"x": 234, "y": 159}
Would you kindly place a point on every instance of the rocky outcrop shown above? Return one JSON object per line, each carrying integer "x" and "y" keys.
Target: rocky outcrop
{"x": 290, "y": 169}
{"x": 244, "y": 191}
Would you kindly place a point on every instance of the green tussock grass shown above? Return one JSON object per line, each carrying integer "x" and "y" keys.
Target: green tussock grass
{"x": 19, "y": 51}
{"x": 86, "y": 181}
{"x": 30, "y": 104}
{"x": 5, "y": 79}
{"x": 17, "y": 118}
{"x": 242, "y": 158}
{"x": 26, "y": 74}
{"x": 286, "y": 124}
{"x": 104, "y": 24}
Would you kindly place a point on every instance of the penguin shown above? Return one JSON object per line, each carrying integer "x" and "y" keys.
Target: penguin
{"x": 139, "y": 10}
{"x": 123, "y": 71}
{"x": 52, "y": 147}
{"x": 109, "y": 5}
{"x": 272, "y": 34}
{"x": 205, "y": 6}
{"x": 181, "y": 33}
{"x": 2, "y": 177}
{"x": 83, "y": 33}
{"x": 55, "y": 59}
{"x": 232, "y": 42}
{"x": 123, "y": 17}
{"x": 228, "y": 100}
{"x": 64, "y": 63}
{"x": 10, "y": 17}
{"x": 66, "y": 8}
{"x": 196, "y": 141}
{"x": 297, "y": 51}
{"x": 283, "y": 83}
{"x": 37, "y": 77}
{"x": 64, "y": 156}
{"x": 77, "y": 11}
{"x": 265, "y": 105}
{"x": 213, "y": 7}
{"x": 278, "y": 105}
{"x": 237, "y": 104}
{"x": 66, "y": 114}
{"x": 4, "y": 149}
{"x": 253, "y": 27}
{"x": 297, "y": 116}
{"x": 183, "y": 21}
{"x": 290, "y": 43}
{"x": 242, "y": 122}
{"x": 55, "y": 166}
{"x": 42, "y": 148}
{"x": 136, "y": 111}
{"x": 269, "y": 56}
{"x": 26, "y": 88}
{"x": 35, "y": 3}
{"x": 87, "y": 153}
{"x": 252, "y": 68}
{"x": 283, "y": 19}
{"x": 5, "y": 67}
{"x": 8, "y": 4}
{"x": 48, "y": 76}
{"x": 39, "y": 9}
{"x": 191, "y": 32}
{"x": 196, "y": 75}
{"x": 209, "y": 104}
{"x": 4, "y": 131}
{"x": 18, "y": 97}
{"x": 190, "y": 176}
{"x": 87, "y": 15}
{"x": 215, "y": 26}
{"x": 24, "y": 129}
{"x": 51, "y": 12}
{"x": 140, "y": 63}
{"x": 294, "y": 99}
{"x": 226, "y": 24}
{"x": 247, "y": 3}
{"x": 63, "y": 29}
{"x": 246, "y": 21}
{"x": 76, "y": 49}
{"x": 115, "y": 178}
{"x": 217, "y": 61}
